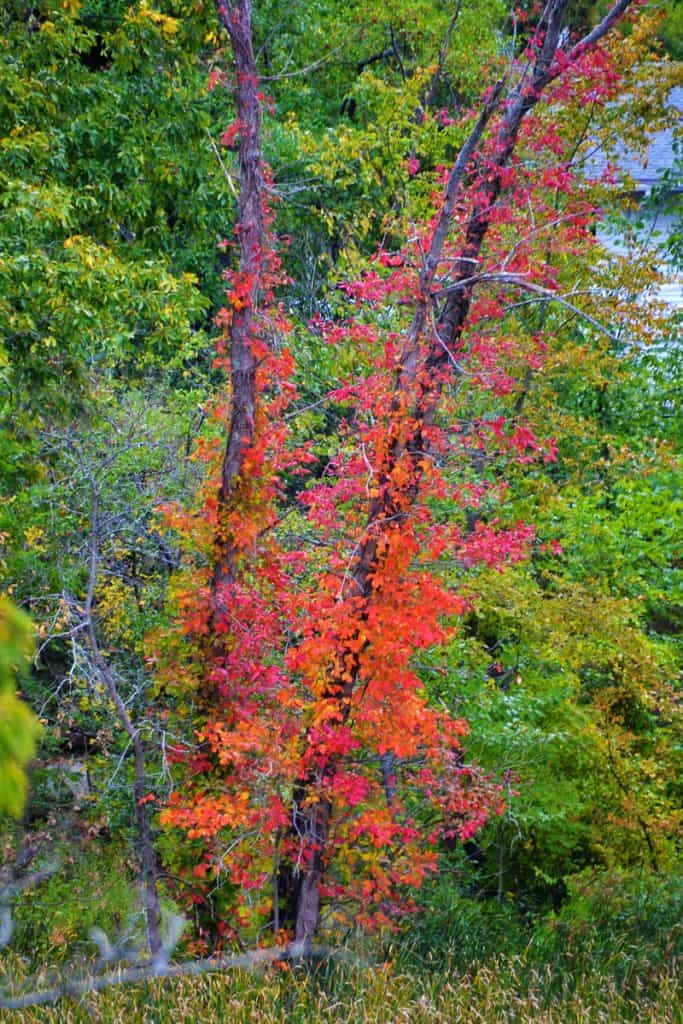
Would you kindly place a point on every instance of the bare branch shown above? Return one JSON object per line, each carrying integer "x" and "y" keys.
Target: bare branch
{"x": 147, "y": 856}
{"x": 13, "y": 888}
{"x": 517, "y": 281}
{"x": 436, "y": 77}
{"x": 601, "y": 29}
{"x": 226, "y": 172}
{"x": 252, "y": 960}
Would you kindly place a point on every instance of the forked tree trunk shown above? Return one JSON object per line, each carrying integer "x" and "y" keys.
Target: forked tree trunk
{"x": 410, "y": 387}
{"x": 440, "y": 363}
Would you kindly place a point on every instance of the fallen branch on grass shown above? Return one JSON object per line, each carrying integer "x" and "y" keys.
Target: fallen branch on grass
{"x": 250, "y": 960}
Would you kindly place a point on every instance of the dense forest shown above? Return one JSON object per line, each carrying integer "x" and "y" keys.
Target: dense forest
{"x": 341, "y": 581}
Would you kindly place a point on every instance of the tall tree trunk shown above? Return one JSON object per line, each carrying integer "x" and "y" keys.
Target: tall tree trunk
{"x": 420, "y": 382}
{"x": 250, "y": 233}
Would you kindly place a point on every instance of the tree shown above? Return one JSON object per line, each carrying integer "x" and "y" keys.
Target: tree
{"x": 313, "y": 758}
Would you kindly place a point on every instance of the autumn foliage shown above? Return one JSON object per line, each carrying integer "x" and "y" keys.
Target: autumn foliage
{"x": 322, "y": 770}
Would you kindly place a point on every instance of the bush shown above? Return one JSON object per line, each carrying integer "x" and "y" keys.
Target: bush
{"x": 623, "y": 928}
{"x": 630, "y": 926}
{"x": 456, "y": 931}
{"x": 92, "y": 888}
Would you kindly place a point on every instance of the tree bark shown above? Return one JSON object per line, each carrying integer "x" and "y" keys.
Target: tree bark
{"x": 421, "y": 385}
{"x": 419, "y": 381}
{"x": 250, "y": 232}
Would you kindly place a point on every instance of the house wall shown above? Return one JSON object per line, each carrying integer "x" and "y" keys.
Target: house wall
{"x": 653, "y": 237}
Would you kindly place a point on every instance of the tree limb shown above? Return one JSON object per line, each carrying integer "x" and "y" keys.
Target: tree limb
{"x": 249, "y": 961}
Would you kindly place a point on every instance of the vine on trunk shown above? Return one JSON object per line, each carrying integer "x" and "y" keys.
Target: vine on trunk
{"x": 323, "y": 772}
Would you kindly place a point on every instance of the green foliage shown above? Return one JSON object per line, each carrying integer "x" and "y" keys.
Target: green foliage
{"x": 18, "y": 725}
{"x": 102, "y": 248}
{"x": 132, "y": 458}
{"x": 455, "y": 929}
{"x": 93, "y": 887}
{"x": 672, "y": 29}
{"x": 622, "y": 928}
{"x": 629, "y": 924}
{"x": 611, "y": 954}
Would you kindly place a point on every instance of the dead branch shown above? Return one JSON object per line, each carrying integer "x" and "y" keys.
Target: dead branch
{"x": 252, "y": 960}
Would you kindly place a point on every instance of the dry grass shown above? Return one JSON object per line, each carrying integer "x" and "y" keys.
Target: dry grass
{"x": 496, "y": 994}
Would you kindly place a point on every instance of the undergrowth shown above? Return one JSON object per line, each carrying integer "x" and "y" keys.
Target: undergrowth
{"x": 611, "y": 954}
{"x": 498, "y": 992}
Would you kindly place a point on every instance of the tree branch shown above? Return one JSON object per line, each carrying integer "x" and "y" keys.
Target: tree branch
{"x": 517, "y": 281}
{"x": 147, "y": 856}
{"x": 250, "y": 961}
